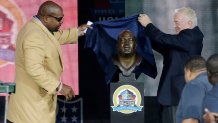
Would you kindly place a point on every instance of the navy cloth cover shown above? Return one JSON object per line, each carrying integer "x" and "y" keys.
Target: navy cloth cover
{"x": 102, "y": 39}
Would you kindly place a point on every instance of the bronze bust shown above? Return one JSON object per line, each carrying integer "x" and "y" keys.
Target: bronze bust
{"x": 126, "y": 58}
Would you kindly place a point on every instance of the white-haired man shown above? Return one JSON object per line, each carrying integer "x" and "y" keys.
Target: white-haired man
{"x": 175, "y": 49}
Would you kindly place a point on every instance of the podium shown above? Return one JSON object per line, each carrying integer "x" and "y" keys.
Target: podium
{"x": 127, "y": 100}
{"x": 6, "y": 89}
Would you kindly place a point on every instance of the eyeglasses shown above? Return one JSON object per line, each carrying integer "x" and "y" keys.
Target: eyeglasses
{"x": 57, "y": 18}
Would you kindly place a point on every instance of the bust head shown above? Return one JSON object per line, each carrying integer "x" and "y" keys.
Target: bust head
{"x": 126, "y": 58}
{"x": 126, "y": 45}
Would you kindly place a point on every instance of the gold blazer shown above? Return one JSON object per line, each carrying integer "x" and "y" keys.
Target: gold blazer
{"x": 38, "y": 61}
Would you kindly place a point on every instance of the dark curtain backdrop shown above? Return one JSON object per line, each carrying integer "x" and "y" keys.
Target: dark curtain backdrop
{"x": 92, "y": 86}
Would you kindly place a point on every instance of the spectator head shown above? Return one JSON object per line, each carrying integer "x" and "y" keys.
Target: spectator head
{"x": 212, "y": 68}
{"x": 193, "y": 67}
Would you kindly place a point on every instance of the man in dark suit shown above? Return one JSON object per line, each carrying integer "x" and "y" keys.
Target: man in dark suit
{"x": 175, "y": 49}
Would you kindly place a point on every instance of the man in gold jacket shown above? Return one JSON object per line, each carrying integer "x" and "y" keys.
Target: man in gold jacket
{"x": 39, "y": 66}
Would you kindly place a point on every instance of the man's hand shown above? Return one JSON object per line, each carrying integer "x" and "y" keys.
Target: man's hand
{"x": 144, "y": 19}
{"x": 82, "y": 28}
{"x": 67, "y": 91}
{"x": 210, "y": 117}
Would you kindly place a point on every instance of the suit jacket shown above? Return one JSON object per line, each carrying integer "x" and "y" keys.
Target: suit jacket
{"x": 176, "y": 50}
{"x": 39, "y": 66}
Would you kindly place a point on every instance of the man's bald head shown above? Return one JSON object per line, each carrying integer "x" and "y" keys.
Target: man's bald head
{"x": 48, "y": 8}
{"x": 51, "y": 15}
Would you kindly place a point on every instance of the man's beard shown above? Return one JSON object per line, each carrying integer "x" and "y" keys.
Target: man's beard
{"x": 56, "y": 29}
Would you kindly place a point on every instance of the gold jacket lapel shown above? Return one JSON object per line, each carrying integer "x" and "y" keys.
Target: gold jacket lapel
{"x": 53, "y": 39}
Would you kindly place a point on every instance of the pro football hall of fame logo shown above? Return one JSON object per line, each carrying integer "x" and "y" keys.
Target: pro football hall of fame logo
{"x": 127, "y": 99}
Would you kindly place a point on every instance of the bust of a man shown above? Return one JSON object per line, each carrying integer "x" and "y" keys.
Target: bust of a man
{"x": 127, "y": 58}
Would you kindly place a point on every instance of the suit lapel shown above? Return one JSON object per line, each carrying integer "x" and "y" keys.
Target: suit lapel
{"x": 52, "y": 38}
